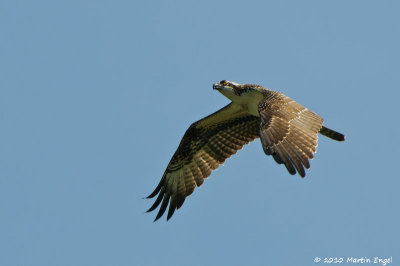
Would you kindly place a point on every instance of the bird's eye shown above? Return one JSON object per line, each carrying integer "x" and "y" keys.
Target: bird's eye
{"x": 223, "y": 82}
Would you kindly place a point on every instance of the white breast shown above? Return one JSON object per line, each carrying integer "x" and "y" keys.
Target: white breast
{"x": 249, "y": 101}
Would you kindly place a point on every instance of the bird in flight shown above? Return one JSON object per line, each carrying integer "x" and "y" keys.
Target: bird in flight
{"x": 288, "y": 131}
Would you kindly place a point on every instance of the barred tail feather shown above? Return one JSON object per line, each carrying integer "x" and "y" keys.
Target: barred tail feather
{"x": 331, "y": 134}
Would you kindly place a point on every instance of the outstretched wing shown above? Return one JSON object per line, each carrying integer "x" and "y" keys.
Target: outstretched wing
{"x": 289, "y": 131}
{"x": 206, "y": 144}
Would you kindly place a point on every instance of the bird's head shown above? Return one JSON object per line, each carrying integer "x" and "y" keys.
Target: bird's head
{"x": 234, "y": 91}
{"x": 228, "y": 88}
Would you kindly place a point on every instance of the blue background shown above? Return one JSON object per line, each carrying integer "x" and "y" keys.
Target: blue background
{"x": 95, "y": 97}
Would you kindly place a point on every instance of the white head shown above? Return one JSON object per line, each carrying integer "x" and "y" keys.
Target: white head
{"x": 246, "y": 95}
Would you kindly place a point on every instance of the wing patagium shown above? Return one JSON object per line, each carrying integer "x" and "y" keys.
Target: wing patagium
{"x": 206, "y": 144}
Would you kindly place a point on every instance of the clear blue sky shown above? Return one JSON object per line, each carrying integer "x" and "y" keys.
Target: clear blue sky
{"x": 96, "y": 95}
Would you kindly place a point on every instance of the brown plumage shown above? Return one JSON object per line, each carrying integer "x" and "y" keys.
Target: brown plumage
{"x": 205, "y": 145}
{"x": 287, "y": 129}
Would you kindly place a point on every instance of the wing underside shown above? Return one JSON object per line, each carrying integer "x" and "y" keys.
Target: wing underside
{"x": 206, "y": 144}
{"x": 289, "y": 132}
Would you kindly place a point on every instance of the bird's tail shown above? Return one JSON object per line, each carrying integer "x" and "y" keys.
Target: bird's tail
{"x": 331, "y": 134}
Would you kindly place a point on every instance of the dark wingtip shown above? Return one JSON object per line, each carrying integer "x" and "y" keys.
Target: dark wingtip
{"x": 154, "y": 192}
{"x": 157, "y": 202}
{"x": 158, "y": 216}
{"x": 290, "y": 168}
{"x": 172, "y": 207}
{"x": 163, "y": 207}
{"x": 158, "y": 188}
{"x": 180, "y": 200}
{"x": 170, "y": 215}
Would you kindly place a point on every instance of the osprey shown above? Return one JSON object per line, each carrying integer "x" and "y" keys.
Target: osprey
{"x": 288, "y": 131}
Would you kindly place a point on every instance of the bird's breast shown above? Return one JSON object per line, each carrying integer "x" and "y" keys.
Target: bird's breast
{"x": 250, "y": 101}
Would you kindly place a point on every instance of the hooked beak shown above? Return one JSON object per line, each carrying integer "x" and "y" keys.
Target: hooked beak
{"x": 217, "y": 86}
